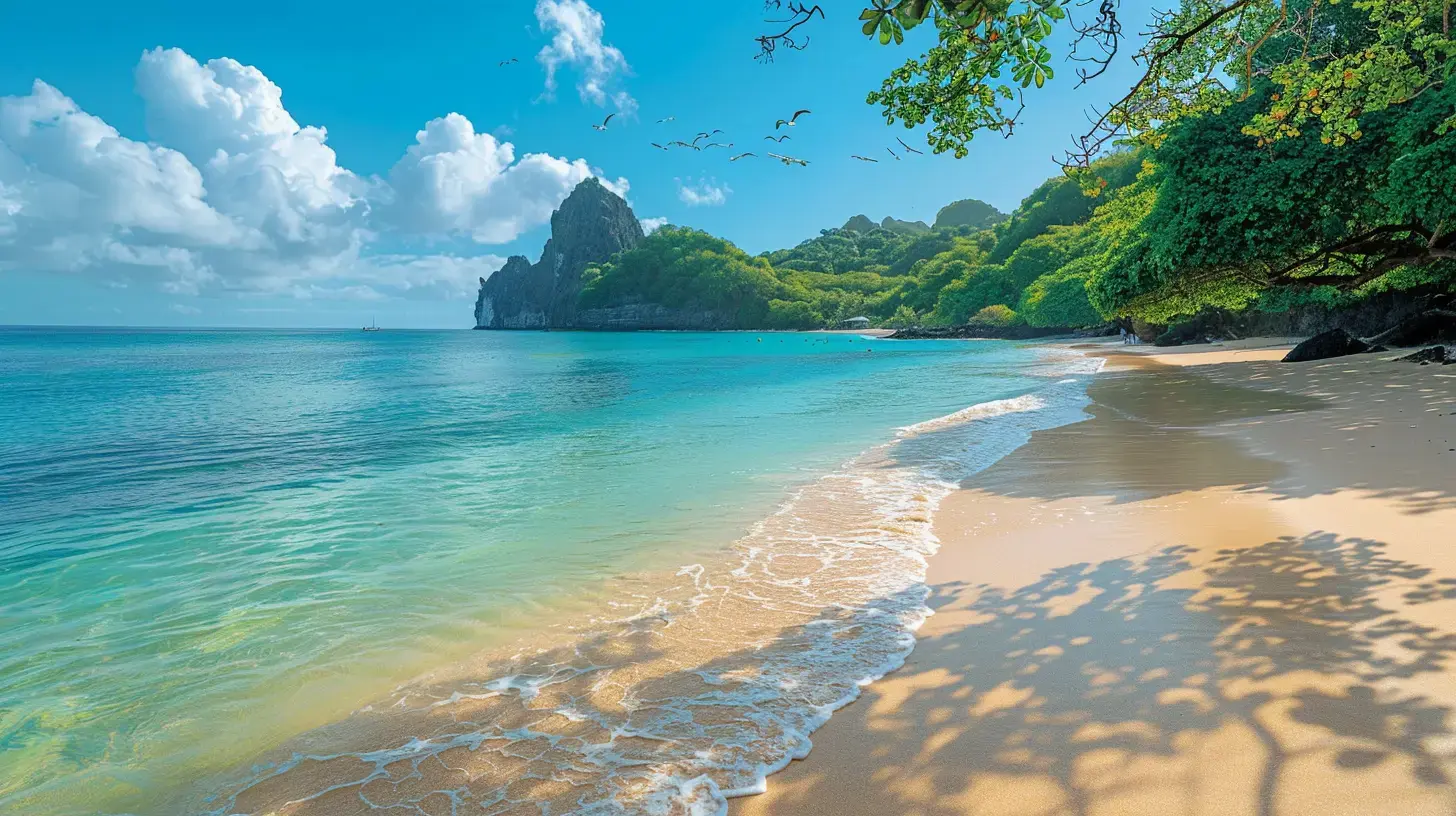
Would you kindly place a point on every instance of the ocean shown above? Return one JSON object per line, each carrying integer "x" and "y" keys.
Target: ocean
{"x": 527, "y": 572}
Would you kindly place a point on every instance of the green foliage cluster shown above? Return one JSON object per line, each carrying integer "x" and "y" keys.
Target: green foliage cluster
{"x": 999, "y": 316}
{"x": 1290, "y": 154}
{"x": 968, "y": 212}
{"x": 687, "y": 269}
{"x": 946, "y": 276}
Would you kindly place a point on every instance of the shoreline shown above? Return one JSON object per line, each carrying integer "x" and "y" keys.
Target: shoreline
{"x": 741, "y": 657}
{"x": 1217, "y": 594}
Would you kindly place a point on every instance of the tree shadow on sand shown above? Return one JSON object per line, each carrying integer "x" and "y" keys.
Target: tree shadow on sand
{"x": 1093, "y": 689}
{"x": 1162, "y": 430}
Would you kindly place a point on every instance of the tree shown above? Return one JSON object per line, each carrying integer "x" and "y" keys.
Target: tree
{"x": 1331, "y": 62}
{"x": 1232, "y": 218}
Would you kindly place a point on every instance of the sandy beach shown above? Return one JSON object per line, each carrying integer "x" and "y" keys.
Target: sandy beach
{"x": 1231, "y": 590}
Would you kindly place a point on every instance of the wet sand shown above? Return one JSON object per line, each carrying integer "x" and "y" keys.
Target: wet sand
{"x": 1232, "y": 590}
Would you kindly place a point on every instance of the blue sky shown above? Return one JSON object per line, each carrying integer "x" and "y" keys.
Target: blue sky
{"x": 372, "y": 230}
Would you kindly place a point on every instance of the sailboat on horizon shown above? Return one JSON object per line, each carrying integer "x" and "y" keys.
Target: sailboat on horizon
{"x": 371, "y": 326}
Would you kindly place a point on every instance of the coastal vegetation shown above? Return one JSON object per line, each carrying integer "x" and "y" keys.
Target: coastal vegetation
{"x": 1275, "y": 156}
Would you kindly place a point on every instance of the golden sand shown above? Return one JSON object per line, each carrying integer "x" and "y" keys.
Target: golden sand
{"x": 1232, "y": 590}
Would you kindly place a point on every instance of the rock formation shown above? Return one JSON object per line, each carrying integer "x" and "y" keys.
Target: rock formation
{"x": 1333, "y": 343}
{"x": 592, "y": 224}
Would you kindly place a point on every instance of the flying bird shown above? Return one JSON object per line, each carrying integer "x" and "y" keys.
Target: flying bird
{"x": 717, "y": 144}
{"x": 908, "y": 147}
{"x": 705, "y": 134}
{"x": 779, "y": 139}
{"x": 681, "y": 143}
{"x": 790, "y": 160}
{"x": 792, "y": 120}
{"x": 603, "y": 125}
{"x": 865, "y": 159}
{"x": 510, "y": 61}
{"x": 656, "y": 145}
{"x": 665, "y": 119}
{"x": 743, "y": 155}
{"x": 892, "y": 153}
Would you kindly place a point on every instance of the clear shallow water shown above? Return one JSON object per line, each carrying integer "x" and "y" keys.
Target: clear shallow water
{"x": 212, "y": 541}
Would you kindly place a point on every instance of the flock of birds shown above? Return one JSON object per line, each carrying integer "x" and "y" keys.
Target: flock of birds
{"x": 792, "y": 121}
{"x": 709, "y": 134}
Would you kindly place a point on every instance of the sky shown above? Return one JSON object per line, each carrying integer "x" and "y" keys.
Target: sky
{"x": 328, "y": 164}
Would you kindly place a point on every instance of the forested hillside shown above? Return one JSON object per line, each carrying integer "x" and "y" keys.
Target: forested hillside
{"x": 1288, "y": 158}
{"x": 1031, "y": 267}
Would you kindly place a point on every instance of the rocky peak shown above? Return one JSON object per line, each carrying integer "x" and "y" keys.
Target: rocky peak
{"x": 590, "y": 226}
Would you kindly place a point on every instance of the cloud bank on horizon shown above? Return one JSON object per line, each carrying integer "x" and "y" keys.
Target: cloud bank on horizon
{"x": 233, "y": 195}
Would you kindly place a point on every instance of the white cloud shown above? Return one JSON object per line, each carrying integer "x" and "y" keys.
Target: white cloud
{"x": 703, "y": 193}
{"x": 651, "y": 225}
{"x": 454, "y": 181}
{"x": 184, "y": 309}
{"x": 576, "y": 39}
{"x": 430, "y": 276}
{"x": 234, "y": 195}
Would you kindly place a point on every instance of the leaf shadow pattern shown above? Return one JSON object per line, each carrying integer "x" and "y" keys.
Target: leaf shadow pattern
{"x": 1085, "y": 691}
{"x": 1160, "y": 430}
{"x": 625, "y": 721}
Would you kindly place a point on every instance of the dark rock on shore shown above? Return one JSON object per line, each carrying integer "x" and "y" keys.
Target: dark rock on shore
{"x": 970, "y": 332}
{"x": 1333, "y": 343}
{"x": 1426, "y": 327}
{"x": 1372, "y": 318}
{"x": 591, "y": 226}
{"x": 1426, "y": 356}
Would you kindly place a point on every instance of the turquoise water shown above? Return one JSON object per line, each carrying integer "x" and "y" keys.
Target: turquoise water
{"x": 212, "y": 541}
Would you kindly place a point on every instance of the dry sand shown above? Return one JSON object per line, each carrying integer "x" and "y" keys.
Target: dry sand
{"x": 1232, "y": 590}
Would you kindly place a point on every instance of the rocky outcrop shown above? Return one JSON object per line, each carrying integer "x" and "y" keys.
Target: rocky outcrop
{"x": 859, "y": 223}
{"x": 1426, "y": 356}
{"x": 590, "y": 226}
{"x": 1333, "y": 343}
{"x": 1426, "y": 327}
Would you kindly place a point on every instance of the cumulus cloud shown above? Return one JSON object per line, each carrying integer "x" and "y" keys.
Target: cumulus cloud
{"x": 576, "y": 40}
{"x": 703, "y": 193}
{"x": 430, "y": 276}
{"x": 233, "y": 194}
{"x": 456, "y": 181}
{"x": 651, "y": 225}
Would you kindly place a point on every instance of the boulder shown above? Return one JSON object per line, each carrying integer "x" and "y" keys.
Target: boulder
{"x": 1333, "y": 343}
{"x": 1426, "y": 356}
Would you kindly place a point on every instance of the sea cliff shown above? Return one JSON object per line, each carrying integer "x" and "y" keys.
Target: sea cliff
{"x": 592, "y": 224}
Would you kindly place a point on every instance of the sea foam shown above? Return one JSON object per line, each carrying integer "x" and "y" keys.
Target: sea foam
{"x": 711, "y": 680}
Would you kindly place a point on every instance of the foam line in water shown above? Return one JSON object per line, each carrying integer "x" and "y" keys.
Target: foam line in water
{"x": 713, "y": 680}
